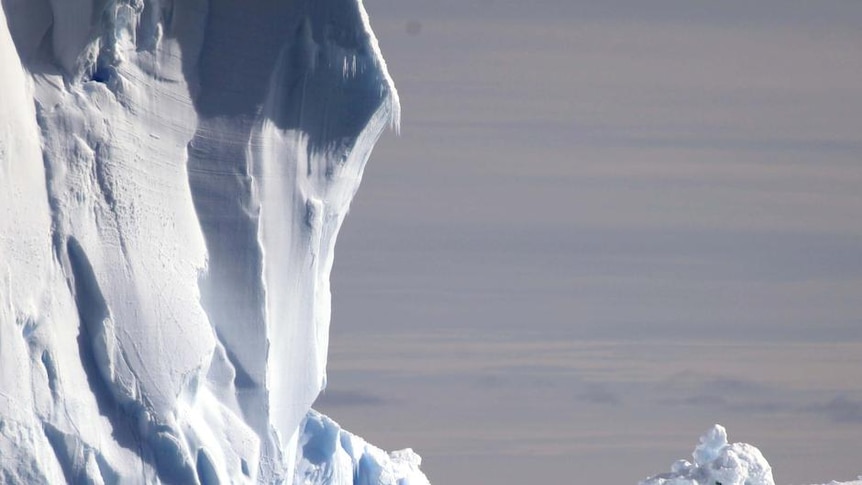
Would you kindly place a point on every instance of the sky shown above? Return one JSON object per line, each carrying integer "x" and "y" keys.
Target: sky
{"x": 604, "y": 227}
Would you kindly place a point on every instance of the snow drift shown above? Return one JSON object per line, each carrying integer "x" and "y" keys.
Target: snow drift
{"x": 173, "y": 175}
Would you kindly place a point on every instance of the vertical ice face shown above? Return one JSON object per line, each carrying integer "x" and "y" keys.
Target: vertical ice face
{"x": 173, "y": 175}
{"x": 328, "y": 100}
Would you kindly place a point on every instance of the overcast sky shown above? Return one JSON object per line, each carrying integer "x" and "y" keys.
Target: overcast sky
{"x": 605, "y": 226}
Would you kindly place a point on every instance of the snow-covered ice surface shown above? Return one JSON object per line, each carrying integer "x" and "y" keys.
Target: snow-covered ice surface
{"x": 173, "y": 175}
{"x": 717, "y": 462}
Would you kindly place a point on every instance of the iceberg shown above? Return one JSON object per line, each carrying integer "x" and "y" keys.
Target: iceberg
{"x": 328, "y": 455}
{"x": 173, "y": 175}
{"x": 717, "y": 462}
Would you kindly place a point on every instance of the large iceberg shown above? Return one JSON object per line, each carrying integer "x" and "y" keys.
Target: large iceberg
{"x": 173, "y": 175}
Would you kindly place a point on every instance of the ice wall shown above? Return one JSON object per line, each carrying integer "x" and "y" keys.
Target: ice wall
{"x": 173, "y": 175}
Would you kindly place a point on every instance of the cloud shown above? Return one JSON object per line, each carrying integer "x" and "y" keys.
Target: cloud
{"x": 712, "y": 384}
{"x": 721, "y": 392}
{"x": 520, "y": 377}
{"x": 840, "y": 409}
{"x": 696, "y": 400}
{"x": 599, "y": 394}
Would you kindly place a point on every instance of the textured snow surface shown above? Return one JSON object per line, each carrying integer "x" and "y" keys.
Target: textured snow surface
{"x": 173, "y": 175}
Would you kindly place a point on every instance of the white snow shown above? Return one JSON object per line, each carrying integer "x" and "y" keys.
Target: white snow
{"x": 172, "y": 179}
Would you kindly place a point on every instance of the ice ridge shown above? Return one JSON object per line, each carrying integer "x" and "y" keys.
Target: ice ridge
{"x": 173, "y": 175}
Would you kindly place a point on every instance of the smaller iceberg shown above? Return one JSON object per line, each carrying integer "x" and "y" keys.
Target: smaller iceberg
{"x": 718, "y": 462}
{"x": 331, "y": 455}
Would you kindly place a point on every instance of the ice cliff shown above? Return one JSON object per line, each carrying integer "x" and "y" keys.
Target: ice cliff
{"x": 173, "y": 174}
